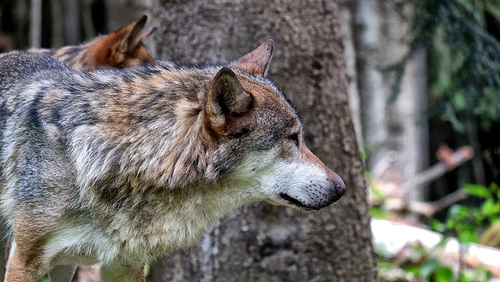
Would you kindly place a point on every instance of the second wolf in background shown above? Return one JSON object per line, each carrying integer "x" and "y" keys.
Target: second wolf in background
{"x": 121, "y": 49}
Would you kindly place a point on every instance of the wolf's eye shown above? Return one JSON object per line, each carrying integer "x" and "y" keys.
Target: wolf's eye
{"x": 295, "y": 138}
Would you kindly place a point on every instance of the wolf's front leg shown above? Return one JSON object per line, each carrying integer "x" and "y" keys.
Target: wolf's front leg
{"x": 122, "y": 273}
{"x": 21, "y": 267}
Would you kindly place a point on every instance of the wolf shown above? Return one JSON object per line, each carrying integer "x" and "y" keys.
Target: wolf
{"x": 121, "y": 49}
{"x": 122, "y": 166}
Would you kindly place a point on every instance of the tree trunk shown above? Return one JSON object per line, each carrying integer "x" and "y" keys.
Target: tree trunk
{"x": 367, "y": 30}
{"x": 346, "y": 13}
{"x": 395, "y": 134}
{"x": 263, "y": 242}
{"x": 71, "y": 18}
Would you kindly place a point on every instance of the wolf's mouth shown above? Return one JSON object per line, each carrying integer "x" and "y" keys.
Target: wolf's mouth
{"x": 293, "y": 201}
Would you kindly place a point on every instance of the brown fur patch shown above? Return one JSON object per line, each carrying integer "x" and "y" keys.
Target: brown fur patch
{"x": 121, "y": 49}
{"x": 30, "y": 236}
{"x": 257, "y": 61}
{"x": 19, "y": 270}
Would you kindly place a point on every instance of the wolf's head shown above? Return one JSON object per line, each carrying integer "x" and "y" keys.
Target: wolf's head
{"x": 260, "y": 137}
{"x": 123, "y": 48}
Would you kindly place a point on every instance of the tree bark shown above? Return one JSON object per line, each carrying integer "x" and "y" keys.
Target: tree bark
{"x": 263, "y": 242}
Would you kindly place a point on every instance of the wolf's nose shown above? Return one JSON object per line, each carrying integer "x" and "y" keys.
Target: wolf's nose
{"x": 339, "y": 187}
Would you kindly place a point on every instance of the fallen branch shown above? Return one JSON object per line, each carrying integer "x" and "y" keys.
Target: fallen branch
{"x": 396, "y": 237}
{"x": 449, "y": 200}
{"x": 427, "y": 209}
{"x": 448, "y": 162}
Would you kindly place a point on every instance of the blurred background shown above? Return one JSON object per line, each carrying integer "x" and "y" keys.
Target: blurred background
{"x": 424, "y": 92}
{"x": 57, "y": 23}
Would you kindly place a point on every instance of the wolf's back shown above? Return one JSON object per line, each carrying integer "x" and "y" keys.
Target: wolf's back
{"x": 19, "y": 65}
{"x": 17, "y": 69}
{"x": 84, "y": 125}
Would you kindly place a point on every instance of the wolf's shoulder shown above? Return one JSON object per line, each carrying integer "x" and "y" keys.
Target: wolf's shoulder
{"x": 20, "y": 65}
{"x": 29, "y": 62}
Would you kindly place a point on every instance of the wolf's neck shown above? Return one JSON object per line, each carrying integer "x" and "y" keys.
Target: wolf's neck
{"x": 172, "y": 153}
{"x": 176, "y": 221}
{"x": 195, "y": 212}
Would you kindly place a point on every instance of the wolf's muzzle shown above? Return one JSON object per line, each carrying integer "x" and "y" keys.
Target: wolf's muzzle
{"x": 335, "y": 192}
{"x": 320, "y": 194}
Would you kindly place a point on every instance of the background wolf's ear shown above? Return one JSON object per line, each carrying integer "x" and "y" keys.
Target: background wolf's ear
{"x": 131, "y": 35}
{"x": 257, "y": 61}
{"x": 227, "y": 104}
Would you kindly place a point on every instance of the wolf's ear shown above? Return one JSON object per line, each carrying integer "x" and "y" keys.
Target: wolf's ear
{"x": 227, "y": 104}
{"x": 131, "y": 35}
{"x": 257, "y": 61}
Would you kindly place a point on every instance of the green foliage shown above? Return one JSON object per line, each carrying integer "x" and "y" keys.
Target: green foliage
{"x": 428, "y": 268}
{"x": 464, "y": 62}
{"x": 378, "y": 196}
{"x": 424, "y": 268}
{"x": 477, "y": 190}
{"x": 379, "y": 213}
{"x": 444, "y": 274}
{"x": 462, "y": 222}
